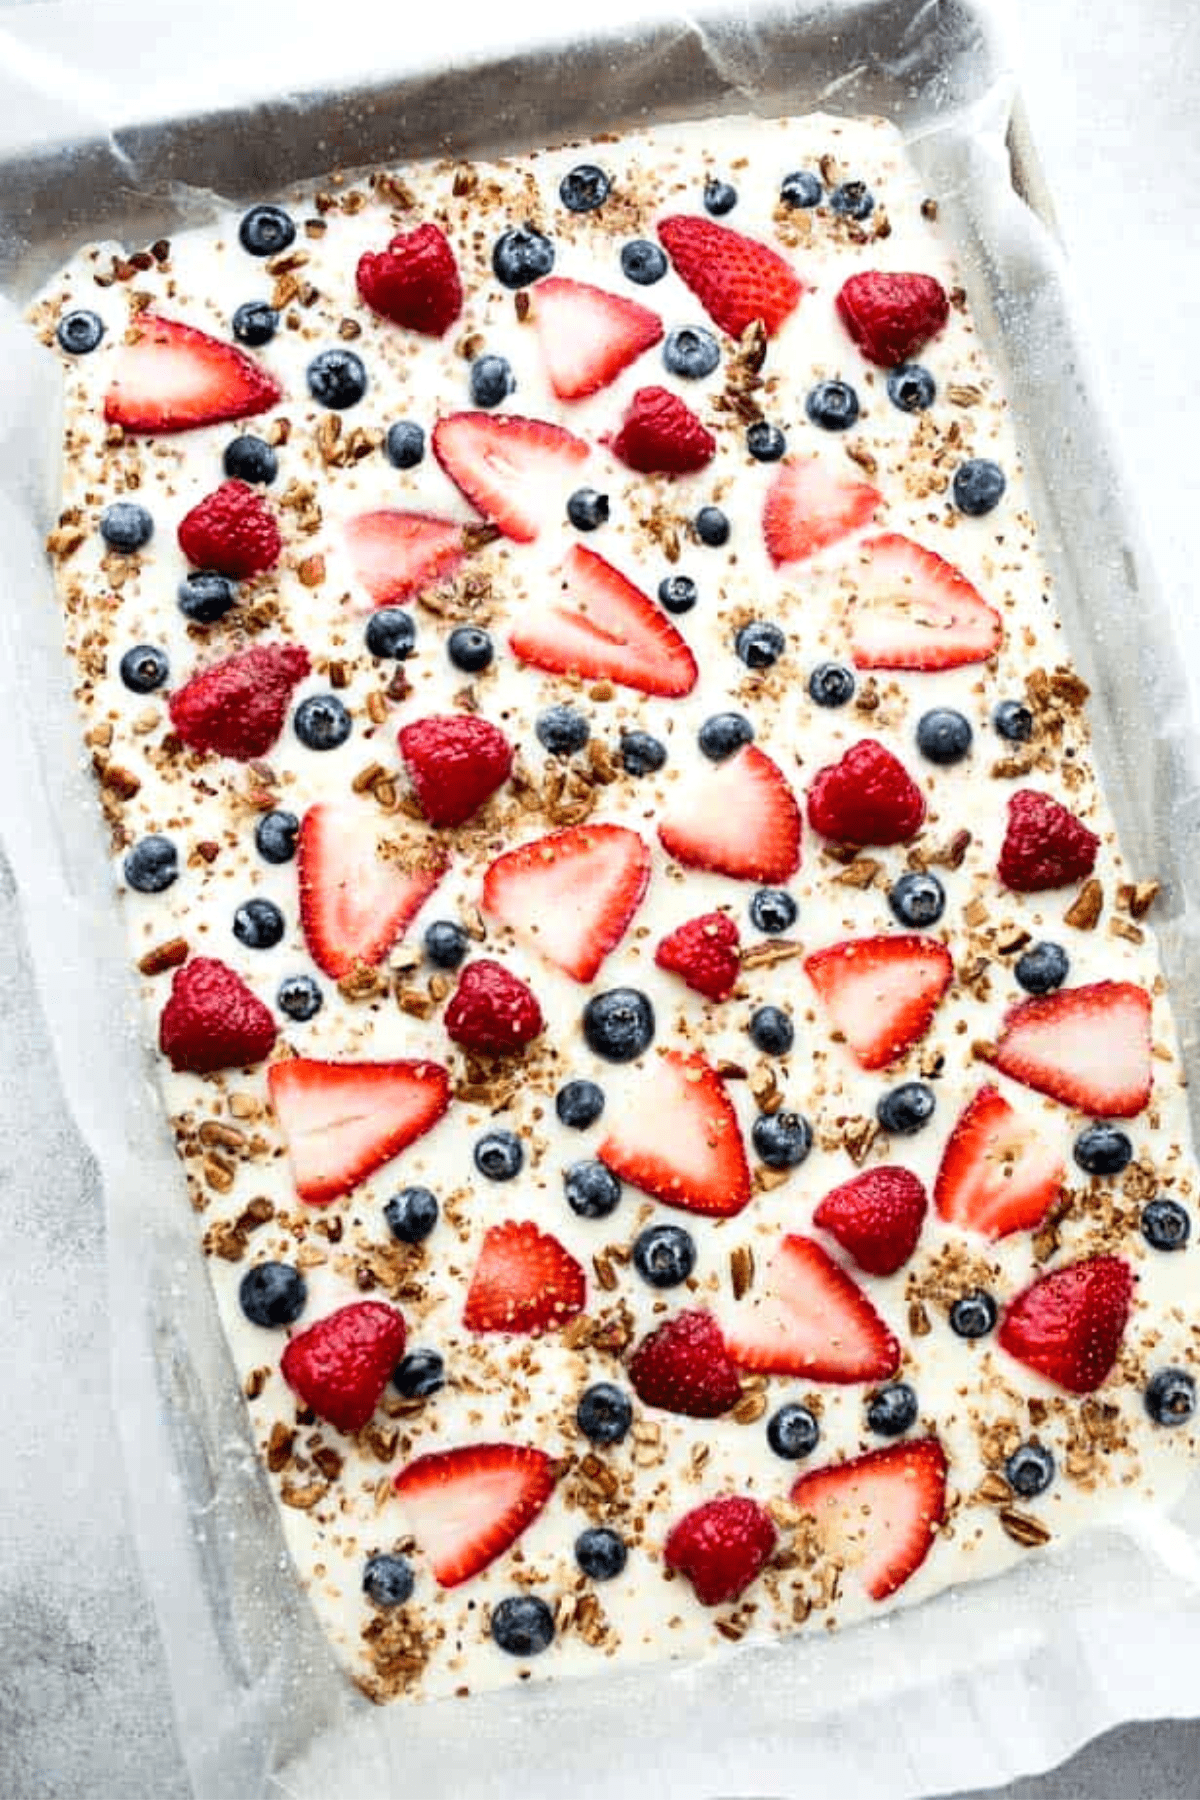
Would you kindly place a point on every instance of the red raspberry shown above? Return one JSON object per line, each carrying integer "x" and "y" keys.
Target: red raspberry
{"x": 890, "y": 316}
{"x": 455, "y": 764}
{"x": 414, "y": 282}
{"x": 1045, "y": 846}
{"x": 237, "y": 707}
{"x": 661, "y": 436}
{"x": 721, "y": 1546}
{"x": 705, "y": 953}
{"x": 231, "y": 531}
{"x": 213, "y": 1021}
{"x": 492, "y": 1010}
{"x": 684, "y": 1367}
{"x": 341, "y": 1365}
{"x": 866, "y": 798}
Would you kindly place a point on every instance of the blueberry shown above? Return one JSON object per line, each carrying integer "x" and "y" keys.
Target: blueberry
{"x": 337, "y": 378}
{"x": 322, "y": 722}
{"x": 772, "y": 1031}
{"x": 765, "y": 442}
{"x": 144, "y": 668}
{"x": 772, "y": 910}
{"x": 853, "y": 199}
{"x": 561, "y": 730}
{"x": 255, "y": 323}
{"x": 691, "y": 352}
{"x": 892, "y": 1409}
{"x": 800, "y": 188}
{"x": 275, "y": 836}
{"x": 258, "y": 924}
{"x": 1165, "y": 1224}
{"x": 604, "y": 1413}
{"x": 250, "y": 458}
{"x": 905, "y": 1109}
{"x": 492, "y": 380}
{"x": 677, "y": 593}
{"x": 664, "y": 1255}
{"x": 619, "y": 1025}
{"x": 445, "y": 943}
{"x": 833, "y": 405}
{"x": 272, "y": 1294}
{"x": 1103, "y": 1150}
{"x": 830, "y": 684}
{"x": 1013, "y": 722}
{"x": 152, "y": 864}
{"x": 600, "y": 1553}
{"x": 266, "y": 230}
{"x": 593, "y": 1192}
{"x": 470, "y": 649}
{"x": 1171, "y": 1397}
{"x": 390, "y": 633}
{"x": 388, "y": 1580}
{"x": 641, "y": 754}
{"x": 918, "y": 899}
{"x": 79, "y": 332}
{"x": 1042, "y": 968}
{"x": 711, "y": 526}
{"x": 911, "y": 388}
{"x": 411, "y": 1214}
{"x": 978, "y": 486}
{"x": 782, "y": 1139}
{"x": 579, "y": 1104}
{"x": 719, "y": 197}
{"x": 405, "y": 444}
{"x": 760, "y": 645}
{"x": 126, "y": 526}
{"x": 642, "y": 262}
{"x": 1029, "y": 1470}
{"x": 587, "y": 509}
{"x": 523, "y": 1625}
{"x": 793, "y": 1432}
{"x": 584, "y": 188}
{"x": 205, "y": 597}
{"x": 419, "y": 1374}
{"x": 943, "y": 735}
{"x": 973, "y": 1315}
{"x": 499, "y": 1155}
{"x": 521, "y": 255}
{"x": 299, "y": 998}
{"x": 724, "y": 733}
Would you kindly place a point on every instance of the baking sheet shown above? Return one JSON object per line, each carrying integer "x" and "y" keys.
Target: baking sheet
{"x": 968, "y": 1690}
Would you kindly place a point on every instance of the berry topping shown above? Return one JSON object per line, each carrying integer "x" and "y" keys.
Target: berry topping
{"x": 79, "y": 332}
{"x": 391, "y": 634}
{"x": 561, "y": 730}
{"x": 144, "y": 668}
{"x": 1165, "y": 1224}
{"x": 455, "y": 763}
{"x": 833, "y": 405}
{"x": 445, "y": 943}
{"x": 499, "y": 1155}
{"x": 523, "y": 1283}
{"x": 719, "y": 197}
{"x": 337, "y": 379}
{"x": 760, "y": 645}
{"x": 1042, "y": 968}
{"x": 322, "y": 722}
{"x": 881, "y": 992}
{"x": 356, "y": 896}
{"x": 255, "y": 323}
{"x": 997, "y": 1175}
{"x": 911, "y": 388}
{"x": 876, "y": 1217}
{"x": 765, "y": 442}
{"x": 343, "y": 1120}
{"x": 468, "y": 1506}
{"x": 801, "y": 189}
{"x": 600, "y": 1553}
{"x": 522, "y": 1625}
{"x": 852, "y": 200}
{"x": 831, "y": 685}
{"x": 419, "y": 1374}
{"x": 721, "y": 1547}
{"x": 266, "y": 230}
{"x": 258, "y": 924}
{"x": 736, "y": 279}
{"x": 232, "y": 531}
{"x": 588, "y": 336}
{"x": 684, "y": 1367}
{"x": 811, "y": 1319}
{"x": 250, "y": 458}
{"x": 411, "y": 1214}
{"x": 878, "y": 1514}
{"x": 173, "y": 377}
{"x": 414, "y": 282}
{"x": 866, "y": 798}
{"x": 126, "y": 527}
{"x": 619, "y": 1025}
{"x": 913, "y": 610}
{"x": 661, "y": 435}
{"x": 711, "y": 527}
{"x": 739, "y": 819}
{"x": 272, "y": 1294}
{"x": 205, "y": 597}
{"x": 1013, "y": 721}
{"x": 587, "y": 509}
{"x": 973, "y": 1315}
{"x": 782, "y": 1139}
{"x": 512, "y": 470}
{"x": 724, "y": 733}
{"x": 793, "y": 1432}
{"x": 405, "y": 444}
{"x": 570, "y": 896}
{"x": 584, "y": 188}
{"x": 237, "y": 707}
{"x": 906, "y": 1109}
{"x": 1088, "y": 1047}
{"x": 491, "y": 380}
{"x": 705, "y": 953}
{"x": 397, "y": 555}
{"x": 978, "y": 487}
{"x": 677, "y": 593}
{"x": 1103, "y": 1150}
{"x": 388, "y": 1580}
{"x": 491, "y": 1010}
{"x": 641, "y": 754}
{"x": 771, "y": 1031}
{"x": 604, "y": 1413}
{"x": 642, "y": 262}
{"x": 1029, "y": 1470}
{"x": 298, "y": 997}
{"x": 1045, "y": 846}
{"x": 579, "y": 1104}
{"x": 592, "y": 1191}
{"x": 600, "y": 626}
{"x": 682, "y": 1144}
{"x": 341, "y": 1365}
{"x": 892, "y": 1410}
{"x": 1170, "y": 1397}
{"x": 470, "y": 649}
{"x": 1068, "y": 1325}
{"x": 943, "y": 736}
{"x": 521, "y": 255}
{"x": 772, "y": 910}
{"x": 890, "y": 316}
{"x": 918, "y": 898}
{"x": 664, "y": 1255}
{"x": 691, "y": 352}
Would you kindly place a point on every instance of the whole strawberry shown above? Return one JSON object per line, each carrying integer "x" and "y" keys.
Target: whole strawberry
{"x": 890, "y": 316}
{"x": 414, "y": 282}
{"x": 684, "y": 1367}
{"x": 705, "y": 953}
{"x": 340, "y": 1366}
{"x": 492, "y": 1010}
{"x": 866, "y": 798}
{"x": 660, "y": 435}
{"x": 237, "y": 707}
{"x": 213, "y": 1021}
{"x": 231, "y": 530}
{"x": 721, "y": 1547}
{"x": 876, "y": 1217}
{"x": 455, "y": 763}
{"x": 1045, "y": 846}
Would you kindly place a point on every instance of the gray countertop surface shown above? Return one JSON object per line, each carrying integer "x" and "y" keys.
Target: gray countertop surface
{"x": 84, "y": 1707}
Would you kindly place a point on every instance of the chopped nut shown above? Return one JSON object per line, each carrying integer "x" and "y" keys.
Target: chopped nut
{"x": 741, "y": 1270}
{"x": 164, "y": 956}
{"x": 1087, "y": 906}
{"x": 1024, "y": 1529}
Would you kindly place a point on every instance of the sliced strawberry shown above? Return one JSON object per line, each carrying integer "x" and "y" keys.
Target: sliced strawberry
{"x": 516, "y": 472}
{"x": 736, "y": 279}
{"x": 414, "y": 282}
{"x": 359, "y": 888}
{"x": 914, "y": 610}
{"x": 890, "y": 315}
{"x": 1087, "y": 1046}
{"x": 876, "y": 1217}
{"x": 867, "y": 798}
{"x": 721, "y": 1547}
{"x": 881, "y": 992}
{"x": 587, "y": 335}
{"x": 811, "y": 1319}
{"x": 524, "y": 1282}
{"x": 340, "y": 1366}
{"x": 1045, "y": 845}
{"x": 344, "y": 1120}
{"x": 1068, "y": 1325}
{"x": 739, "y": 818}
{"x": 661, "y": 435}
{"x": 684, "y": 1367}
{"x": 466, "y": 1507}
{"x": 172, "y": 377}
{"x": 808, "y": 508}
{"x": 396, "y": 555}
{"x": 455, "y": 762}
{"x": 603, "y": 628}
{"x": 682, "y": 1144}
{"x": 570, "y": 896}
{"x": 705, "y": 953}
{"x": 997, "y": 1175}
{"x": 878, "y": 1514}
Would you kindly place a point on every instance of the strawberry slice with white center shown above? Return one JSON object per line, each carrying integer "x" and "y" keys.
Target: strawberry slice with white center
{"x": 587, "y": 335}
{"x": 396, "y": 555}
{"x": 808, "y": 508}
{"x": 358, "y": 892}
{"x": 344, "y": 1120}
{"x": 570, "y": 896}
{"x": 681, "y": 1143}
{"x": 914, "y": 610}
{"x": 739, "y": 818}
{"x": 811, "y": 1319}
{"x": 997, "y": 1174}
{"x": 878, "y": 1514}
{"x": 524, "y": 1282}
{"x": 466, "y": 1507}
{"x": 603, "y": 628}
{"x": 736, "y": 279}
{"x": 173, "y": 377}
{"x": 1088, "y": 1047}
{"x": 517, "y": 472}
{"x": 881, "y": 992}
